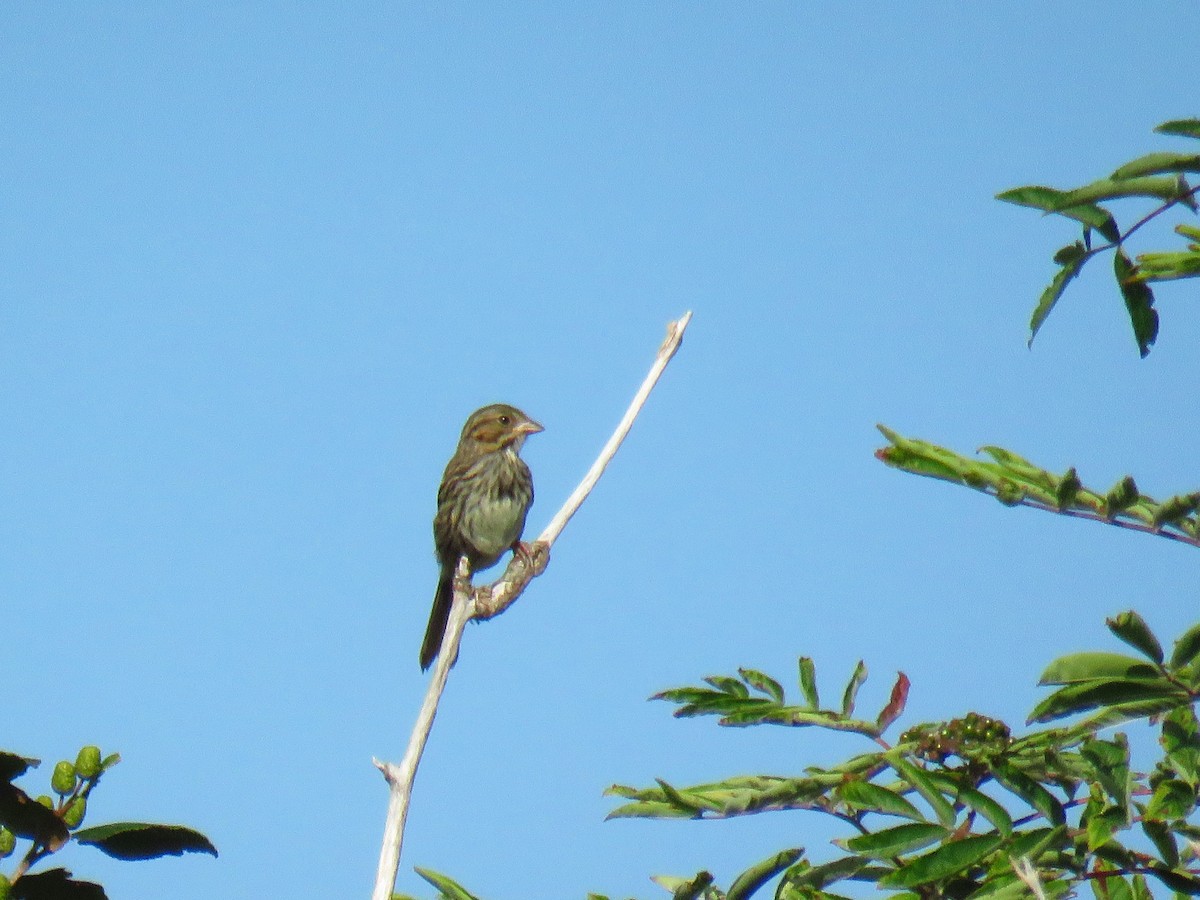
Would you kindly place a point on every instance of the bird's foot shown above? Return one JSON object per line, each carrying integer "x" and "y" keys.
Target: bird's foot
{"x": 533, "y": 555}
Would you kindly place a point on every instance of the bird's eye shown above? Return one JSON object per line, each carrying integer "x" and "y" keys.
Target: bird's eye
{"x": 504, "y": 420}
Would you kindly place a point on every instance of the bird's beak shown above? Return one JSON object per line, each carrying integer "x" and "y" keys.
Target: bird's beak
{"x": 528, "y": 427}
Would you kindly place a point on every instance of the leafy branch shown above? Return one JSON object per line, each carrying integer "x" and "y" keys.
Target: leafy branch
{"x": 1015, "y": 481}
{"x": 49, "y": 825}
{"x": 1157, "y": 176}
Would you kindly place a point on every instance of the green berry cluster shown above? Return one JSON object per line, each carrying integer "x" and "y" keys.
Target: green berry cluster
{"x": 973, "y": 738}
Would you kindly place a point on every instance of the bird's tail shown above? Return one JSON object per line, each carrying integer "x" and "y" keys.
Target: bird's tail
{"x": 438, "y": 617}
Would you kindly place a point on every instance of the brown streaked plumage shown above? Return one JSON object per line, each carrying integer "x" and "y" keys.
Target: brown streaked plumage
{"x": 485, "y": 494}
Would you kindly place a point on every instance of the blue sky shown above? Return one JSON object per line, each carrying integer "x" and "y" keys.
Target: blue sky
{"x": 260, "y": 261}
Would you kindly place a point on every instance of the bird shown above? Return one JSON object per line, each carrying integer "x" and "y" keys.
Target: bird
{"x": 484, "y": 496}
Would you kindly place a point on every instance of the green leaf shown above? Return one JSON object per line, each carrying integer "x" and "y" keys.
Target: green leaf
{"x": 803, "y": 876}
{"x": 1164, "y": 841}
{"x": 448, "y": 887}
{"x": 1031, "y": 792}
{"x": 1067, "y": 489}
{"x": 948, "y": 860}
{"x": 1106, "y": 692}
{"x": 1049, "y": 200}
{"x": 686, "y": 888}
{"x": 1158, "y": 187}
{"x": 857, "y": 677}
{"x": 1158, "y": 164}
{"x": 924, "y": 786}
{"x": 867, "y": 795}
{"x": 1180, "y": 882}
{"x": 1051, "y": 295}
{"x": 1171, "y": 511}
{"x": 1181, "y": 128}
{"x": 1172, "y": 799}
{"x": 1094, "y": 665}
{"x": 14, "y": 766}
{"x": 898, "y": 840}
{"x": 1038, "y": 841}
{"x": 1133, "y": 630}
{"x": 26, "y": 818}
{"x": 1110, "y": 763}
{"x": 728, "y": 685}
{"x": 1111, "y": 887}
{"x": 1121, "y": 496}
{"x": 764, "y": 683}
{"x": 1139, "y": 302}
{"x": 760, "y": 873}
{"x": 986, "y": 807}
{"x": 143, "y": 840}
{"x": 1187, "y": 647}
{"x": 808, "y": 683}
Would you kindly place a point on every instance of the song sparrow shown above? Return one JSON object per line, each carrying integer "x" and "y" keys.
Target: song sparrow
{"x": 485, "y": 493}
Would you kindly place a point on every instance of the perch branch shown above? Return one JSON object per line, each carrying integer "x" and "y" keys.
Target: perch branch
{"x": 484, "y": 602}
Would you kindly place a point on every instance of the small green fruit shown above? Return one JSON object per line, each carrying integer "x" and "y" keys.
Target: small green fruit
{"x": 5, "y": 887}
{"x": 63, "y": 779}
{"x": 8, "y": 841}
{"x": 87, "y": 763}
{"x": 73, "y": 814}
{"x": 46, "y": 801}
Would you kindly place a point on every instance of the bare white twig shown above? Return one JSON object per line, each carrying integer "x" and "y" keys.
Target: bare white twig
{"x": 486, "y": 601}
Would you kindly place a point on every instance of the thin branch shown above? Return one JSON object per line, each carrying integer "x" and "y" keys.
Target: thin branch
{"x": 484, "y": 602}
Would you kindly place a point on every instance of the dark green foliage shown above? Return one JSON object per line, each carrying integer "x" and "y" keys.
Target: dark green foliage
{"x": 982, "y": 812}
{"x": 50, "y": 825}
{"x": 1160, "y": 177}
{"x": 1015, "y": 481}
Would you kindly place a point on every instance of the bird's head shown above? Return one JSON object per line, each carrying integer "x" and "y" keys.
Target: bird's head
{"x": 498, "y": 426}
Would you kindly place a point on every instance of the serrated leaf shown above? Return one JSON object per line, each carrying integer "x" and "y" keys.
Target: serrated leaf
{"x": 816, "y": 877}
{"x": 1172, "y": 799}
{"x": 1139, "y": 302}
{"x": 948, "y": 860}
{"x": 1187, "y": 647}
{"x": 685, "y": 888}
{"x": 867, "y": 795}
{"x": 1164, "y": 841}
{"x": 728, "y": 685}
{"x": 1076, "y": 668}
{"x": 1051, "y": 295}
{"x": 1158, "y": 164}
{"x": 1067, "y": 489}
{"x": 1121, "y": 496}
{"x": 1172, "y": 510}
{"x": 143, "y": 840}
{"x": 923, "y": 786}
{"x": 1132, "y": 629}
{"x": 1180, "y": 128}
{"x": 1077, "y": 698}
{"x": 762, "y": 872}
{"x": 1031, "y": 792}
{"x": 986, "y": 807}
{"x": 808, "y": 682}
{"x": 897, "y": 840}
{"x": 763, "y": 683}
{"x": 1159, "y": 187}
{"x": 1049, "y": 200}
{"x": 448, "y": 887}
{"x": 850, "y": 694}
{"x": 1037, "y": 841}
